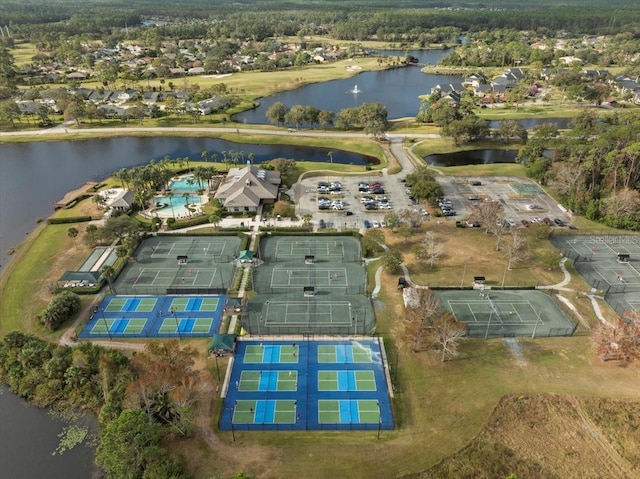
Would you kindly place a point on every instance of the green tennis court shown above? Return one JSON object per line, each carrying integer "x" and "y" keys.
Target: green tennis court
{"x": 194, "y": 304}
{"x": 344, "y": 411}
{"x": 344, "y": 353}
{"x": 271, "y": 353}
{"x": 270, "y": 411}
{"x": 251, "y": 380}
{"x": 119, "y": 326}
{"x": 137, "y": 305}
{"x": 185, "y": 325}
{"x": 346, "y": 380}
{"x": 508, "y": 313}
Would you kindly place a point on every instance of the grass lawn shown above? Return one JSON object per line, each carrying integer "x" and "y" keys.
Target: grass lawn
{"x": 470, "y": 252}
{"x": 26, "y": 285}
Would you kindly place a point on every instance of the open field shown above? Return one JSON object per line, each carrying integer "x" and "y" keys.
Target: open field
{"x": 549, "y": 436}
{"x": 473, "y": 248}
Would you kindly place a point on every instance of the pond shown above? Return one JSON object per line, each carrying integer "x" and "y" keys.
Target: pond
{"x": 397, "y": 89}
{"x": 472, "y": 157}
{"x": 29, "y": 438}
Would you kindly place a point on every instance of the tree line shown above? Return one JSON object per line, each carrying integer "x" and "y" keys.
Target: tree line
{"x": 594, "y": 167}
{"x": 371, "y": 118}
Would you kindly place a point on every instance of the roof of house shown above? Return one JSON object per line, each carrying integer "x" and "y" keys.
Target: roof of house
{"x": 124, "y": 199}
{"x": 248, "y": 186}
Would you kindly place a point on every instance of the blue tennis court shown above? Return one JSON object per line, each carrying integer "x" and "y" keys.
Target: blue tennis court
{"x": 156, "y": 316}
{"x": 310, "y": 385}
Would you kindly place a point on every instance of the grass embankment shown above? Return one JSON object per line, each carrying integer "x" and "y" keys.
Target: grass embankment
{"x": 31, "y": 277}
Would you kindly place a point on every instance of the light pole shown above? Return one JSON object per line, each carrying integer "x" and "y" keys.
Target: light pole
{"x": 105, "y": 324}
{"x": 217, "y": 367}
{"x": 233, "y": 432}
{"x": 175, "y": 317}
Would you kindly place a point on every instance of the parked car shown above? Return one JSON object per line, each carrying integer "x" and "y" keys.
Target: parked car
{"x": 476, "y": 183}
{"x": 558, "y": 222}
{"x": 547, "y": 221}
{"x": 376, "y": 224}
{"x": 348, "y": 213}
{"x": 367, "y": 224}
{"x": 525, "y": 223}
{"x": 322, "y": 224}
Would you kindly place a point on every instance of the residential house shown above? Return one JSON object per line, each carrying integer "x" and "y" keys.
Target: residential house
{"x": 245, "y": 189}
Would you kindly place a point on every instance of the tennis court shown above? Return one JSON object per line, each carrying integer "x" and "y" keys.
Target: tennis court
{"x": 162, "y": 316}
{"x": 609, "y": 263}
{"x": 325, "y": 278}
{"x": 505, "y": 313}
{"x": 310, "y": 385}
{"x": 323, "y": 248}
{"x": 176, "y": 264}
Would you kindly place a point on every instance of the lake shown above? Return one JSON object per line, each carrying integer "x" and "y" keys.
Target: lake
{"x": 29, "y": 437}
{"x": 35, "y": 175}
{"x": 397, "y": 89}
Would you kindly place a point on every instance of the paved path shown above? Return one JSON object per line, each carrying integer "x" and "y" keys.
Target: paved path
{"x": 64, "y": 130}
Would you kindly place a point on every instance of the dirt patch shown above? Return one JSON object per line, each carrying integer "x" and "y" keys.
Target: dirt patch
{"x": 550, "y": 436}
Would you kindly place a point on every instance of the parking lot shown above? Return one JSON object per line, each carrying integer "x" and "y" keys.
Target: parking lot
{"x": 357, "y": 199}
{"x": 360, "y": 201}
{"x": 522, "y": 199}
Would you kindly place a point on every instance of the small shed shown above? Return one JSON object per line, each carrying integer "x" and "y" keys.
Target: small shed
{"x": 309, "y": 291}
{"x": 182, "y": 259}
{"x": 478, "y": 279}
{"x": 222, "y": 343}
{"x": 309, "y": 259}
{"x": 78, "y": 279}
{"x": 245, "y": 256}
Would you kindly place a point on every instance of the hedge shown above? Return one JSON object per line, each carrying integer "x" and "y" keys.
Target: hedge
{"x": 70, "y": 219}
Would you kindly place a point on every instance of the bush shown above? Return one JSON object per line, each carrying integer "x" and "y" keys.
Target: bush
{"x": 62, "y": 307}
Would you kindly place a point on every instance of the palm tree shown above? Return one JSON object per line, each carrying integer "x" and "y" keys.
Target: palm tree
{"x": 109, "y": 274}
{"x": 214, "y": 157}
{"x": 203, "y": 155}
{"x": 123, "y": 175}
{"x": 170, "y": 195}
{"x": 186, "y": 196}
{"x": 215, "y": 218}
{"x": 73, "y": 233}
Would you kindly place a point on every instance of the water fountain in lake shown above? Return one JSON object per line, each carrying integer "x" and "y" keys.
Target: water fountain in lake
{"x": 355, "y": 90}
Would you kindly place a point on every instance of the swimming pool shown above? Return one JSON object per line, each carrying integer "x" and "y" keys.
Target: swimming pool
{"x": 182, "y": 184}
{"x": 178, "y": 203}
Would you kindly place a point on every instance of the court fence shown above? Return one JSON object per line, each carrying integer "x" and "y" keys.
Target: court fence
{"x": 310, "y": 426}
{"x": 568, "y": 312}
{"x": 163, "y": 290}
{"x": 293, "y": 293}
{"x": 481, "y": 331}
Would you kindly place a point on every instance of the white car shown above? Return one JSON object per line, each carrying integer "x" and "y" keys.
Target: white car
{"x": 376, "y": 224}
